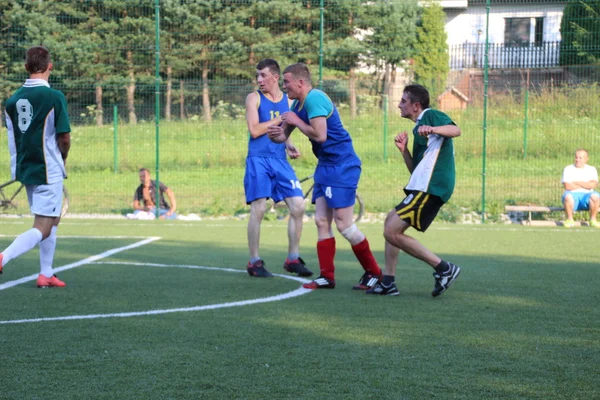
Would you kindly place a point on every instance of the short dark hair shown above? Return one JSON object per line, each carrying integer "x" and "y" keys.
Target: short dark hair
{"x": 298, "y": 71}
{"x": 144, "y": 169}
{"x": 271, "y": 64}
{"x": 37, "y": 59}
{"x": 418, "y": 94}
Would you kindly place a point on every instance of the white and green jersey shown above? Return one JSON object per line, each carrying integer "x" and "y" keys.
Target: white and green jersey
{"x": 433, "y": 158}
{"x": 35, "y": 116}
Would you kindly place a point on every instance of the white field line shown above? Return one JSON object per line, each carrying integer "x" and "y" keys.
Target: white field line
{"x": 87, "y": 237}
{"x": 284, "y": 296}
{"x": 88, "y": 260}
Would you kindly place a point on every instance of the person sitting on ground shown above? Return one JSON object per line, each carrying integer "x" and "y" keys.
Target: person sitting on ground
{"x": 580, "y": 180}
{"x": 144, "y": 199}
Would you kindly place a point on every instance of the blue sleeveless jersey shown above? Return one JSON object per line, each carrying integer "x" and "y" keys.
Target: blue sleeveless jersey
{"x": 337, "y": 148}
{"x": 262, "y": 146}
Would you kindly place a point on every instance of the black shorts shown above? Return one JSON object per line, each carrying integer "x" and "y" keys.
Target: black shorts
{"x": 419, "y": 209}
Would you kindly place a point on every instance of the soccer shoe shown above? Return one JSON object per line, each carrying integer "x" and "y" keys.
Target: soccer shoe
{"x": 258, "y": 270}
{"x": 43, "y": 282}
{"x": 367, "y": 281}
{"x": 443, "y": 280}
{"x": 593, "y": 224}
{"x": 1, "y": 257}
{"x": 320, "y": 283}
{"x": 380, "y": 289}
{"x": 568, "y": 223}
{"x": 297, "y": 267}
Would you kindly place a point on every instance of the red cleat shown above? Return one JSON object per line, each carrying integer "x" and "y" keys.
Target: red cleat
{"x": 320, "y": 283}
{"x": 43, "y": 282}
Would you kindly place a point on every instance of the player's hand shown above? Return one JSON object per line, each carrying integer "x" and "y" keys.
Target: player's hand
{"x": 276, "y": 133}
{"x": 401, "y": 141}
{"x": 425, "y": 130}
{"x": 290, "y": 118}
{"x": 292, "y": 151}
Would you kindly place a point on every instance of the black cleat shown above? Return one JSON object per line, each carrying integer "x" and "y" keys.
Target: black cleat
{"x": 297, "y": 267}
{"x": 367, "y": 281}
{"x": 382, "y": 290}
{"x": 320, "y": 283}
{"x": 258, "y": 270}
{"x": 443, "y": 280}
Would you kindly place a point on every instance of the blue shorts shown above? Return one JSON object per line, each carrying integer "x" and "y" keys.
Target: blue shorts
{"x": 581, "y": 199}
{"x": 335, "y": 197}
{"x": 271, "y": 178}
{"x": 344, "y": 175}
{"x": 337, "y": 183}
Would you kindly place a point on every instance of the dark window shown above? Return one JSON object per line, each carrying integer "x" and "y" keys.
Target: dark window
{"x": 516, "y": 32}
{"x": 538, "y": 38}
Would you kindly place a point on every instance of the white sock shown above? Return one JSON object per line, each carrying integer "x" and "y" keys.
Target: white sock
{"x": 47, "y": 247}
{"x": 21, "y": 245}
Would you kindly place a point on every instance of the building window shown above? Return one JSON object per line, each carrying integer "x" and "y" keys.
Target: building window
{"x": 516, "y": 32}
{"x": 538, "y": 38}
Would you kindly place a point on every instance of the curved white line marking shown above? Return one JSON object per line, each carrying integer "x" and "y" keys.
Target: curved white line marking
{"x": 88, "y": 260}
{"x": 284, "y": 296}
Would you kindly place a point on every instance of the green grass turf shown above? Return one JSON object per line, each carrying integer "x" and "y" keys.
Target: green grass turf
{"x": 521, "y": 322}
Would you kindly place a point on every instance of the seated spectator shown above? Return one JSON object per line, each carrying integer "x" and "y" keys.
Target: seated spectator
{"x": 580, "y": 180}
{"x": 144, "y": 199}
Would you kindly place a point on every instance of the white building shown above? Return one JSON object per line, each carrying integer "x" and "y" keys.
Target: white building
{"x": 522, "y": 34}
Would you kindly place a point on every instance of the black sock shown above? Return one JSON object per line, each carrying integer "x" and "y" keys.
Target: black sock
{"x": 388, "y": 280}
{"x": 442, "y": 267}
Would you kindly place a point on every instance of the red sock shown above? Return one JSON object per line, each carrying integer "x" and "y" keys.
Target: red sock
{"x": 362, "y": 251}
{"x": 326, "y": 254}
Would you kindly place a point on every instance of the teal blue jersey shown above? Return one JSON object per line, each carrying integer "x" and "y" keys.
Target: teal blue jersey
{"x": 35, "y": 116}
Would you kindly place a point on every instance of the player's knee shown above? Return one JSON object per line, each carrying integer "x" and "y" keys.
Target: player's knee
{"x": 258, "y": 208}
{"x": 321, "y": 222}
{"x": 353, "y": 234}
{"x": 388, "y": 232}
{"x": 297, "y": 207}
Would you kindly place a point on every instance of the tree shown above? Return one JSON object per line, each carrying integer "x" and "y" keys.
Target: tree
{"x": 343, "y": 43}
{"x": 580, "y": 32}
{"x": 389, "y": 36}
{"x": 431, "y": 59}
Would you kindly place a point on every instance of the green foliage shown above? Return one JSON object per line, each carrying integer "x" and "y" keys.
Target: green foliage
{"x": 580, "y": 32}
{"x": 431, "y": 59}
{"x": 228, "y": 111}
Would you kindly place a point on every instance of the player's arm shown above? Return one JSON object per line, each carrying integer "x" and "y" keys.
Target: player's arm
{"x": 316, "y": 130}
{"x": 64, "y": 144}
{"x": 449, "y": 131}
{"x": 255, "y": 127}
{"x": 280, "y": 133}
{"x": 401, "y": 141}
{"x": 292, "y": 150}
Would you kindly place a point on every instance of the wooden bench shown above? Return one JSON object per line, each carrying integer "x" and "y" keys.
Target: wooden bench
{"x": 530, "y": 209}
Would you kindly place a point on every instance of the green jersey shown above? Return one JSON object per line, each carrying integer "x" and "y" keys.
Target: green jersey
{"x": 35, "y": 116}
{"x": 433, "y": 158}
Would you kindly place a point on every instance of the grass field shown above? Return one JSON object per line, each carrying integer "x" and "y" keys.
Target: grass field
{"x": 140, "y": 319}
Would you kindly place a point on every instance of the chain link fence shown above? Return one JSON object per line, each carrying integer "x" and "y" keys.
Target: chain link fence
{"x": 519, "y": 77}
